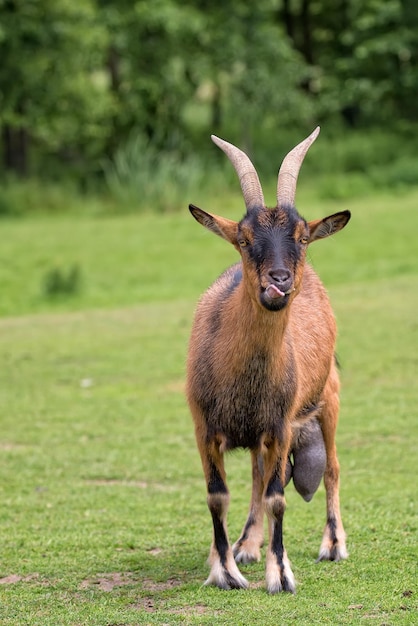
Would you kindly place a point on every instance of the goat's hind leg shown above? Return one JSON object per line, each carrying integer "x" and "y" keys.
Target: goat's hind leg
{"x": 224, "y": 572}
{"x": 333, "y": 546}
{"x": 247, "y": 548}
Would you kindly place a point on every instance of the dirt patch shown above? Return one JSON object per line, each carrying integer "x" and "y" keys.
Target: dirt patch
{"x": 12, "y": 579}
{"x": 145, "y": 604}
{"x": 151, "y": 585}
{"x": 195, "y": 609}
{"x": 107, "y": 582}
{"x": 155, "y": 551}
{"x": 8, "y": 446}
{"x": 110, "y": 580}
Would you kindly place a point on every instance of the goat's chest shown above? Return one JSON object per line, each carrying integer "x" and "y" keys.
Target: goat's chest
{"x": 243, "y": 404}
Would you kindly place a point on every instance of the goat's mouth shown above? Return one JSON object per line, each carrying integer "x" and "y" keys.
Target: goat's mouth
{"x": 273, "y": 292}
{"x": 273, "y": 298}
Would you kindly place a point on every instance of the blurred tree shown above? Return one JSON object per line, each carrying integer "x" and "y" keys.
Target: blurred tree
{"x": 53, "y": 89}
{"x": 78, "y": 76}
{"x": 150, "y": 44}
{"x": 252, "y": 72}
{"x": 363, "y": 55}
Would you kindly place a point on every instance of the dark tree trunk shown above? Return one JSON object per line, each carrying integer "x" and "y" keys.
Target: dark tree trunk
{"x": 299, "y": 28}
{"x": 15, "y": 150}
{"x": 113, "y": 61}
{"x": 307, "y": 46}
{"x": 288, "y": 20}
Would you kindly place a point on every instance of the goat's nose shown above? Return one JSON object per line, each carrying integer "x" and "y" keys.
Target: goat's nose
{"x": 280, "y": 275}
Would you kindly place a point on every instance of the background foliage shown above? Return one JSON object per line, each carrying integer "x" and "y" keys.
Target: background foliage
{"x": 97, "y": 91}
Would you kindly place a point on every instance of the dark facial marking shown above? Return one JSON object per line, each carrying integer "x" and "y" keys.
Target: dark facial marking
{"x": 273, "y": 242}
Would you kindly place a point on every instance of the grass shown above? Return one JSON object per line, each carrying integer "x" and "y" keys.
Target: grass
{"x": 103, "y": 518}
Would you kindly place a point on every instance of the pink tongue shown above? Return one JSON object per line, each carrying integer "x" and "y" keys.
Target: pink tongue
{"x": 273, "y": 292}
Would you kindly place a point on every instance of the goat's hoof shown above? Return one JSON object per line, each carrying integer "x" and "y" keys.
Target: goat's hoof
{"x": 281, "y": 583}
{"x": 221, "y": 577}
{"x": 280, "y": 577}
{"x": 245, "y": 554}
{"x": 284, "y": 585}
{"x": 335, "y": 552}
{"x": 245, "y": 558}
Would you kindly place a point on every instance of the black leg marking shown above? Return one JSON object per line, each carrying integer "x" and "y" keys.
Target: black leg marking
{"x": 216, "y": 486}
{"x": 250, "y": 522}
{"x": 332, "y": 525}
{"x": 224, "y": 571}
{"x": 334, "y": 552}
{"x": 232, "y": 582}
{"x": 216, "y": 483}
{"x": 274, "y": 487}
{"x": 220, "y": 538}
{"x": 279, "y": 575}
{"x": 287, "y": 584}
{"x": 277, "y": 542}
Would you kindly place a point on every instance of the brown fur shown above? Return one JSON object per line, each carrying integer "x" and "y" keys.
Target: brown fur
{"x": 255, "y": 377}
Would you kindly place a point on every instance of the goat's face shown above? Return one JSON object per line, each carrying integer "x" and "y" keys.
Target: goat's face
{"x": 272, "y": 244}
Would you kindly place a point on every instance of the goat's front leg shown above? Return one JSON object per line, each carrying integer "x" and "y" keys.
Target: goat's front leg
{"x": 247, "y": 548}
{"x": 279, "y": 575}
{"x": 224, "y": 572}
{"x": 333, "y": 546}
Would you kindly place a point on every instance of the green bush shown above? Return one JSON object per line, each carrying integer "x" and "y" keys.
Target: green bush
{"x": 343, "y": 186}
{"x": 33, "y": 195}
{"x": 141, "y": 177}
{"x": 61, "y": 282}
{"x": 401, "y": 173}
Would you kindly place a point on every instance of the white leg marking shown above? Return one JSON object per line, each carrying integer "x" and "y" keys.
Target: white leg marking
{"x": 225, "y": 577}
{"x": 333, "y": 546}
{"x": 277, "y": 578}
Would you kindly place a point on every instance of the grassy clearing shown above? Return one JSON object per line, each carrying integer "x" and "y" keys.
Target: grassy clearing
{"x": 103, "y": 518}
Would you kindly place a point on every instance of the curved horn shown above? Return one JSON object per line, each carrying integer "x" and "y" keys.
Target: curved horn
{"x": 248, "y": 178}
{"x": 289, "y": 170}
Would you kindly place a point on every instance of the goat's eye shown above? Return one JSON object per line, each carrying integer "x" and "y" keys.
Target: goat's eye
{"x": 304, "y": 240}
{"x": 242, "y": 243}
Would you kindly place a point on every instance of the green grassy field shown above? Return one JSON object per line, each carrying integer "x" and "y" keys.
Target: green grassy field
{"x": 103, "y": 519}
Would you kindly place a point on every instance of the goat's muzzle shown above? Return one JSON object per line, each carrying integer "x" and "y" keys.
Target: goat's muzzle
{"x": 274, "y": 298}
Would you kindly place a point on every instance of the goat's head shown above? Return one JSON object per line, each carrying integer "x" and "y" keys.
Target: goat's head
{"x": 272, "y": 242}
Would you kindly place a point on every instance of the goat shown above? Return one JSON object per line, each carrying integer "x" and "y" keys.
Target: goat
{"x": 261, "y": 373}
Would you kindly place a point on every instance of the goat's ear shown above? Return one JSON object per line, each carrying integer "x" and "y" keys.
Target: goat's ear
{"x": 227, "y": 229}
{"x": 319, "y": 229}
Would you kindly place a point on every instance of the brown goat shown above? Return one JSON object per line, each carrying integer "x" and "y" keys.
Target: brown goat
{"x": 262, "y": 373}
